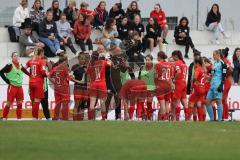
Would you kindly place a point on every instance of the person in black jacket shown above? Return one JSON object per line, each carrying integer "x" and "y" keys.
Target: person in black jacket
{"x": 71, "y": 12}
{"x": 101, "y": 15}
{"x": 182, "y": 36}
{"x": 133, "y": 10}
{"x": 213, "y": 23}
{"x": 190, "y": 73}
{"x": 153, "y": 36}
{"x": 48, "y": 34}
{"x": 123, "y": 29}
{"x": 236, "y": 63}
{"x": 55, "y": 10}
{"x": 117, "y": 12}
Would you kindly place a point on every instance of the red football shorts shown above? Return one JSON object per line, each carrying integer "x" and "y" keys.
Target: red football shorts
{"x": 36, "y": 91}
{"x": 15, "y": 92}
{"x": 198, "y": 94}
{"x": 80, "y": 94}
{"x": 61, "y": 97}
{"x": 97, "y": 89}
{"x": 180, "y": 91}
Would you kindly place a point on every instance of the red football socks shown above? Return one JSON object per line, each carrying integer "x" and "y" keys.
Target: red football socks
{"x": 91, "y": 114}
{"x": 149, "y": 110}
{"x": 65, "y": 110}
{"x": 19, "y": 111}
{"x": 35, "y": 109}
{"x": 6, "y": 111}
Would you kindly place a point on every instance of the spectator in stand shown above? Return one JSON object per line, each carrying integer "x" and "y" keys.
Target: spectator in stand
{"x": 213, "y": 23}
{"x": 117, "y": 12}
{"x": 153, "y": 36}
{"x": 64, "y": 32}
{"x": 101, "y": 15}
{"x": 71, "y": 12}
{"x": 48, "y": 33}
{"x": 133, "y": 10}
{"x": 123, "y": 29}
{"x": 160, "y": 16}
{"x": 55, "y": 10}
{"x": 182, "y": 36}
{"x": 84, "y": 8}
{"x": 236, "y": 63}
{"x": 82, "y": 32}
{"x": 21, "y": 13}
{"x": 28, "y": 42}
{"x": 37, "y": 15}
{"x": 110, "y": 34}
{"x": 139, "y": 27}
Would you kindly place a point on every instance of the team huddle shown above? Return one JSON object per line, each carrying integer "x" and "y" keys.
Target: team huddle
{"x": 99, "y": 77}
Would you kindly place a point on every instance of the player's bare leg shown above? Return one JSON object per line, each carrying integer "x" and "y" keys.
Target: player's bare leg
{"x": 162, "y": 110}
{"x": 91, "y": 111}
{"x": 103, "y": 108}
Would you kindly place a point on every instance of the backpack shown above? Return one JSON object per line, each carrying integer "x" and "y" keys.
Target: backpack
{"x": 14, "y": 33}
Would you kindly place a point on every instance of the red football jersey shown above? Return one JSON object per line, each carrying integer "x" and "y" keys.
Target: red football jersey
{"x": 180, "y": 65}
{"x": 228, "y": 63}
{"x": 60, "y": 76}
{"x": 199, "y": 76}
{"x": 37, "y": 71}
{"x": 96, "y": 70}
{"x": 163, "y": 71}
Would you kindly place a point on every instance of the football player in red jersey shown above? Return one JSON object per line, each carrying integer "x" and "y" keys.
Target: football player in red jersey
{"x": 12, "y": 74}
{"x": 198, "y": 84}
{"x": 227, "y": 83}
{"x": 163, "y": 72}
{"x": 36, "y": 80}
{"x": 97, "y": 86}
{"x": 60, "y": 77}
{"x": 180, "y": 91}
{"x": 208, "y": 68}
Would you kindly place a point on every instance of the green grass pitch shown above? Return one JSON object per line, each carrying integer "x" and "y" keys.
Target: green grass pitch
{"x": 50, "y": 140}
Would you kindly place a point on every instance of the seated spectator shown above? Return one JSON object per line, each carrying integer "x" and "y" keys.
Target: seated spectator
{"x": 160, "y": 16}
{"x": 55, "y": 10}
{"x": 101, "y": 15}
{"x": 48, "y": 33}
{"x": 213, "y": 23}
{"x": 64, "y": 32}
{"x": 153, "y": 36}
{"x": 28, "y": 42}
{"x": 236, "y": 63}
{"x": 84, "y": 8}
{"x": 117, "y": 12}
{"x": 21, "y": 13}
{"x": 82, "y": 32}
{"x": 138, "y": 26}
{"x": 37, "y": 15}
{"x": 182, "y": 36}
{"x": 132, "y": 11}
{"x": 110, "y": 34}
{"x": 71, "y": 12}
{"x": 102, "y": 52}
{"x": 123, "y": 29}
{"x": 134, "y": 52}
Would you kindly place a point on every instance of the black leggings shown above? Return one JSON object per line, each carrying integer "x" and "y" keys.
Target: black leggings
{"x": 83, "y": 45}
{"x": 70, "y": 45}
{"x": 44, "y": 103}
{"x": 186, "y": 42}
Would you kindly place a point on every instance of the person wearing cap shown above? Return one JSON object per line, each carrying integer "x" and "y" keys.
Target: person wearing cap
{"x": 28, "y": 42}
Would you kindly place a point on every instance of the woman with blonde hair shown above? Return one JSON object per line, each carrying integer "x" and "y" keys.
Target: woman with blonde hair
{"x": 71, "y": 12}
{"x": 21, "y": 13}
